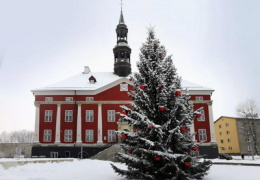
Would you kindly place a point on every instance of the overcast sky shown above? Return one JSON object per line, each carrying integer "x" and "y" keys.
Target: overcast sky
{"x": 214, "y": 43}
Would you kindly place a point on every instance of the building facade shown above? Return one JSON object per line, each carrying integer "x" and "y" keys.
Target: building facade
{"x": 81, "y": 111}
{"x": 236, "y": 135}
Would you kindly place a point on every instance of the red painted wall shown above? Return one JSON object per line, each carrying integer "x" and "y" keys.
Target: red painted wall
{"x": 202, "y": 124}
{"x": 89, "y": 125}
{"x": 47, "y": 125}
{"x": 68, "y": 125}
{"x": 109, "y": 125}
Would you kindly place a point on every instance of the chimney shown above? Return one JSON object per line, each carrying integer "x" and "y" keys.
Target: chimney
{"x": 86, "y": 70}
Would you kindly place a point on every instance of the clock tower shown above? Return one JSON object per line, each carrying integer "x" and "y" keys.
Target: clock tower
{"x": 122, "y": 51}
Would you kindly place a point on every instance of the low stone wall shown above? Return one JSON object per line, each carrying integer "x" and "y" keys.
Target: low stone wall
{"x": 7, "y": 150}
{"x": 13, "y": 163}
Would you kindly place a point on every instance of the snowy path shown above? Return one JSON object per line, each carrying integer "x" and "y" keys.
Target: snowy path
{"x": 101, "y": 170}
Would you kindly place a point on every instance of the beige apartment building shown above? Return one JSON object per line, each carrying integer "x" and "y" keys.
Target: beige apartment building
{"x": 235, "y": 135}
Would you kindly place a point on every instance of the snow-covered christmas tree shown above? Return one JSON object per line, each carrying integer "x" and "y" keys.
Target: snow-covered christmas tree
{"x": 161, "y": 146}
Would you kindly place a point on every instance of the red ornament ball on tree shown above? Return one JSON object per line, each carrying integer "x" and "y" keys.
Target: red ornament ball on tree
{"x": 162, "y": 108}
{"x": 142, "y": 87}
{"x": 183, "y": 128}
{"x": 129, "y": 152}
{"x": 187, "y": 164}
{"x": 157, "y": 158}
{"x": 150, "y": 127}
{"x": 198, "y": 115}
{"x": 124, "y": 136}
{"x": 160, "y": 86}
{"x": 196, "y": 148}
{"x": 178, "y": 92}
{"x": 124, "y": 112}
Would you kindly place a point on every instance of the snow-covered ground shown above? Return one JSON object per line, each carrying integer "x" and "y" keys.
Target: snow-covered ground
{"x": 101, "y": 170}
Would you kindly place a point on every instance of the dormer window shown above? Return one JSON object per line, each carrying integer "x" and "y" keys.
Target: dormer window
{"x": 92, "y": 80}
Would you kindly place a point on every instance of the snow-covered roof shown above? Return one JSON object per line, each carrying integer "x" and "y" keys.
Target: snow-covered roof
{"x": 103, "y": 80}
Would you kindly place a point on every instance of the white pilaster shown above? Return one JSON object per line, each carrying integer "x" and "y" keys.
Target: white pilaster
{"x": 37, "y": 124}
{"x": 211, "y": 123}
{"x": 79, "y": 138}
{"x": 192, "y": 131}
{"x": 100, "y": 129}
{"x": 57, "y": 131}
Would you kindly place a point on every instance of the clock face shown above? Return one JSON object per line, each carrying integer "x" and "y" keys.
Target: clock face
{"x": 123, "y": 87}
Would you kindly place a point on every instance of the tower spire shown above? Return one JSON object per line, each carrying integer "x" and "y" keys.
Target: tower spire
{"x": 121, "y": 19}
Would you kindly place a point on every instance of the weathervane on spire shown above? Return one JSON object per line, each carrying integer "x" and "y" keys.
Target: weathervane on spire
{"x": 121, "y": 5}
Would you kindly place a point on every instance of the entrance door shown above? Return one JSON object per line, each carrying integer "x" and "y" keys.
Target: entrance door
{"x": 67, "y": 154}
{"x": 54, "y": 154}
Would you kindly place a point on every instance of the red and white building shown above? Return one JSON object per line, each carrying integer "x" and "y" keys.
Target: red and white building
{"x": 81, "y": 111}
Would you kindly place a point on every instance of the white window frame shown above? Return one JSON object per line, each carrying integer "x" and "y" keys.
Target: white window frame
{"x": 111, "y": 115}
{"x": 199, "y": 98}
{"x": 89, "y": 116}
{"x": 47, "y": 133}
{"x": 68, "y": 135}
{"x": 228, "y": 132}
{"x": 249, "y": 148}
{"x": 111, "y": 135}
{"x": 202, "y": 117}
{"x": 227, "y": 124}
{"x": 68, "y": 115}
{"x": 89, "y": 98}
{"x": 48, "y": 116}
{"x": 69, "y": 99}
{"x": 248, "y": 139}
{"x": 221, "y": 141}
{"x": 89, "y": 135}
{"x": 230, "y": 148}
{"x": 202, "y": 134}
{"x": 228, "y": 140}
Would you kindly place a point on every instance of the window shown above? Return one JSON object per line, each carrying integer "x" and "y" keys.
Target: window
{"x": 227, "y": 125}
{"x": 89, "y": 115}
{"x": 89, "y": 135}
{"x": 247, "y": 132}
{"x": 47, "y": 135}
{"x": 48, "y": 98}
{"x": 220, "y": 133}
{"x": 111, "y": 115}
{"x": 249, "y": 148}
{"x": 68, "y": 115}
{"x": 230, "y": 148}
{"x": 89, "y": 99}
{"x": 48, "y": 116}
{"x": 222, "y": 141}
{"x": 199, "y": 98}
{"x": 111, "y": 136}
{"x": 68, "y": 136}
{"x": 69, "y": 99}
{"x": 202, "y": 117}
{"x": 228, "y": 140}
{"x": 202, "y": 135}
{"x": 228, "y": 132}
{"x": 222, "y": 148}
{"x": 219, "y": 126}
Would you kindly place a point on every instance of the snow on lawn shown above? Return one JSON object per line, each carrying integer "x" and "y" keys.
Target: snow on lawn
{"x": 101, "y": 170}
